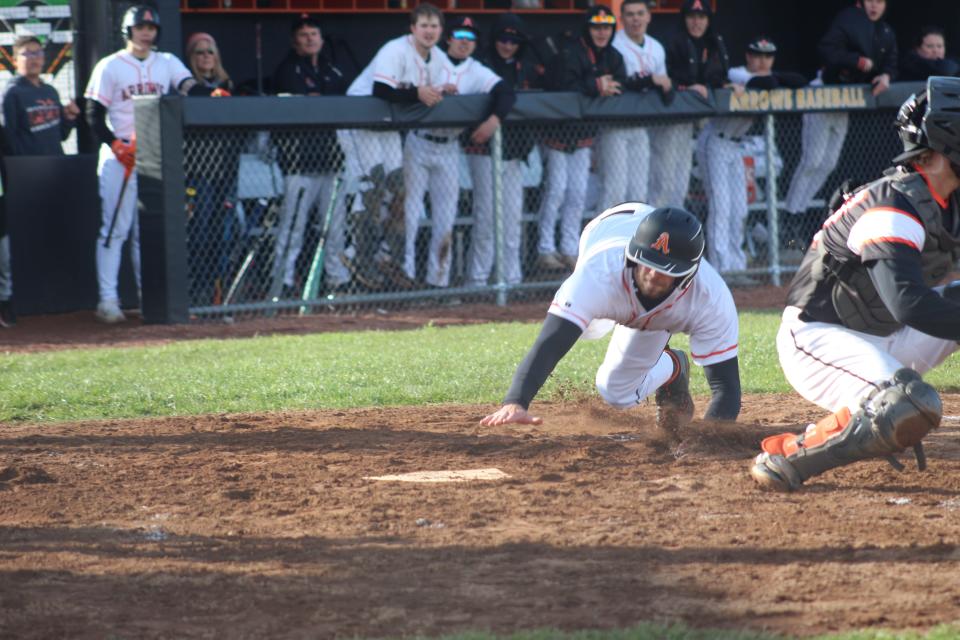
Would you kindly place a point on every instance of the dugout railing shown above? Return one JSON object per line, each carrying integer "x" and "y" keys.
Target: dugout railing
{"x": 267, "y": 205}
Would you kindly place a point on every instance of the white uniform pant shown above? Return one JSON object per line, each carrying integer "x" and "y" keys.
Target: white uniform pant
{"x": 301, "y": 193}
{"x": 672, "y": 146}
{"x": 482, "y": 241}
{"x": 634, "y": 367}
{"x": 624, "y": 165}
{"x": 822, "y": 139}
{"x": 434, "y": 168}
{"x": 365, "y": 148}
{"x": 6, "y": 275}
{"x": 564, "y": 197}
{"x": 834, "y": 367}
{"x": 724, "y": 177}
{"x": 110, "y": 177}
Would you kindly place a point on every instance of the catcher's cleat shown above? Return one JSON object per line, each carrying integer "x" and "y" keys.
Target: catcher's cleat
{"x": 674, "y": 403}
{"x": 894, "y": 416}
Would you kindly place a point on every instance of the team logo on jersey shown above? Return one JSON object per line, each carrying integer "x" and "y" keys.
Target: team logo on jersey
{"x": 662, "y": 243}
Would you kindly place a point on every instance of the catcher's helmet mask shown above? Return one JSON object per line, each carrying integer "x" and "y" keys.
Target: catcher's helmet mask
{"x": 930, "y": 120}
{"x": 139, "y": 15}
{"x": 669, "y": 241}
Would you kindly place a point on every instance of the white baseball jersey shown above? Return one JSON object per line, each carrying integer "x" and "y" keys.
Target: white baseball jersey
{"x": 645, "y": 59}
{"x": 398, "y": 65}
{"x": 470, "y": 77}
{"x": 601, "y": 293}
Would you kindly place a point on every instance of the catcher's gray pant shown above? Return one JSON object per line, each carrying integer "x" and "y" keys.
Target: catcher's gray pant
{"x": 672, "y": 146}
{"x": 6, "y": 276}
{"x": 110, "y": 178}
{"x": 302, "y": 192}
{"x": 725, "y": 181}
{"x": 634, "y": 366}
{"x": 822, "y": 139}
{"x": 834, "y": 367}
{"x": 564, "y": 196}
{"x": 624, "y": 165}
{"x": 432, "y": 167}
{"x": 482, "y": 241}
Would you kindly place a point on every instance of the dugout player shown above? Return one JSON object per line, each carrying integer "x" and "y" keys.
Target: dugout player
{"x": 865, "y": 315}
{"x": 136, "y": 70}
{"x": 431, "y": 157}
{"x": 858, "y": 48}
{"x": 640, "y": 273}
{"x": 697, "y": 61}
{"x": 408, "y": 69}
{"x": 928, "y": 57}
{"x": 625, "y": 151}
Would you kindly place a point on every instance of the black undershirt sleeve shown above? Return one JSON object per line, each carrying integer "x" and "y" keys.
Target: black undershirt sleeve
{"x": 557, "y": 337}
{"x": 724, "y": 380}
{"x": 388, "y": 93}
{"x": 503, "y": 99}
{"x": 900, "y": 285}
{"x": 97, "y": 119}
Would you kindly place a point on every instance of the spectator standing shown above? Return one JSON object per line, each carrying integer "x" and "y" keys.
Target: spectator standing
{"x": 311, "y": 160}
{"x": 431, "y": 157}
{"x": 211, "y": 176}
{"x": 928, "y": 57}
{"x": 509, "y": 58}
{"x": 35, "y": 121}
{"x": 8, "y": 317}
{"x": 135, "y": 70}
{"x": 625, "y": 151}
{"x": 697, "y": 61}
{"x": 592, "y": 66}
{"x": 858, "y": 48}
{"x": 720, "y": 156}
{"x": 405, "y": 70}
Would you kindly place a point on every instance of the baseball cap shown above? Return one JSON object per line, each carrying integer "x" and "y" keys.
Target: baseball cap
{"x": 510, "y": 34}
{"x": 601, "y": 16}
{"x": 762, "y": 44}
{"x": 304, "y": 20}
{"x": 462, "y": 23}
{"x": 696, "y": 6}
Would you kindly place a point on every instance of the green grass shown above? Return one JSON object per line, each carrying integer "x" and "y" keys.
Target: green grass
{"x": 470, "y": 364}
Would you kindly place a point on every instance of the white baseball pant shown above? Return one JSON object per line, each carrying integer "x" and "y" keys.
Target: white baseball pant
{"x": 302, "y": 192}
{"x": 624, "y": 165}
{"x": 834, "y": 367}
{"x": 482, "y": 239}
{"x": 564, "y": 196}
{"x": 434, "y": 168}
{"x": 822, "y": 138}
{"x": 672, "y": 145}
{"x": 724, "y": 177}
{"x": 6, "y": 276}
{"x": 363, "y": 150}
{"x": 634, "y": 366}
{"x": 110, "y": 178}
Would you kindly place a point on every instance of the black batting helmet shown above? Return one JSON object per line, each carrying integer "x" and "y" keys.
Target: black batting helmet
{"x": 668, "y": 240}
{"x": 139, "y": 15}
{"x": 931, "y": 120}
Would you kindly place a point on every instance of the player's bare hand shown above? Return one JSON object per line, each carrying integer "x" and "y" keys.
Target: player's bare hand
{"x": 880, "y": 84}
{"x": 449, "y": 89}
{"x": 429, "y": 96}
{"x": 609, "y": 86}
{"x": 699, "y": 89}
{"x": 71, "y": 110}
{"x": 865, "y": 64}
{"x": 486, "y": 130}
{"x": 510, "y": 414}
{"x": 738, "y": 89}
{"x": 663, "y": 82}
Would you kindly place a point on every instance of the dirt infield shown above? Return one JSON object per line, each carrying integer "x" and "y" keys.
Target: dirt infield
{"x": 269, "y": 526}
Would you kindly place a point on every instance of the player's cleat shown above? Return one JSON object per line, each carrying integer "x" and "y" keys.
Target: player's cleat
{"x": 570, "y": 262}
{"x": 550, "y": 262}
{"x": 7, "y": 316}
{"x": 674, "y": 403}
{"x": 109, "y": 311}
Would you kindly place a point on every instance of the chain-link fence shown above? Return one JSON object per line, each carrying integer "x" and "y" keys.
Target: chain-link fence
{"x": 285, "y": 220}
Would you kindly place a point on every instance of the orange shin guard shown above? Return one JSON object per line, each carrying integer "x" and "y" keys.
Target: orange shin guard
{"x": 786, "y": 444}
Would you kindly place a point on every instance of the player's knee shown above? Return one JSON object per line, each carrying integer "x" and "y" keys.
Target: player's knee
{"x": 617, "y": 395}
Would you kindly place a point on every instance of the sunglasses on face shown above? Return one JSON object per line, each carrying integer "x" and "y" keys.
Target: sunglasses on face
{"x": 464, "y": 34}
{"x": 603, "y": 19}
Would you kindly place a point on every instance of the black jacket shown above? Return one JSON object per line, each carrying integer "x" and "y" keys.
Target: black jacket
{"x": 701, "y": 60}
{"x": 315, "y": 151}
{"x": 852, "y": 36}
{"x": 913, "y": 67}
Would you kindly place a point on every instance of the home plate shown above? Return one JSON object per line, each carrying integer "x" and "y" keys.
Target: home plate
{"x": 446, "y": 475}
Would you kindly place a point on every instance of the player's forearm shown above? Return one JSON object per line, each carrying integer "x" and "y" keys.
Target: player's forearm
{"x": 900, "y": 286}
{"x": 724, "y": 380}
{"x": 401, "y": 96}
{"x": 503, "y": 100}
{"x": 97, "y": 119}
{"x": 557, "y": 337}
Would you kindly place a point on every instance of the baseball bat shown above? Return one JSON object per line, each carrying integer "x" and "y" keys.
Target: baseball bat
{"x": 312, "y": 288}
{"x": 280, "y": 252}
{"x": 116, "y": 209}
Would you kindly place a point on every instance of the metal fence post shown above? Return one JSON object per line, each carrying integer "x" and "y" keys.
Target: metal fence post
{"x": 773, "y": 217}
{"x": 496, "y": 163}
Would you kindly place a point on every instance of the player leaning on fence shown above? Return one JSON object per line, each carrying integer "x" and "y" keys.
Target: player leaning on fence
{"x": 868, "y": 311}
{"x": 640, "y": 273}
